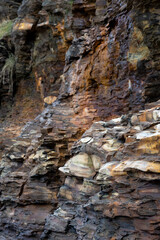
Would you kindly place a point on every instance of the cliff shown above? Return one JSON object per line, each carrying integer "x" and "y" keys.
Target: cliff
{"x": 82, "y": 79}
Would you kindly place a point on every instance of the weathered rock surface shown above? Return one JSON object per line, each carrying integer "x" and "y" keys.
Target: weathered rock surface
{"x": 30, "y": 178}
{"x": 8, "y": 9}
{"x": 121, "y": 199}
{"x": 111, "y": 186}
{"x": 86, "y": 61}
{"x": 111, "y": 63}
{"x": 110, "y": 51}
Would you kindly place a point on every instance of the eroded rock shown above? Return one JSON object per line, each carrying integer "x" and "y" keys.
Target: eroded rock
{"x": 98, "y": 60}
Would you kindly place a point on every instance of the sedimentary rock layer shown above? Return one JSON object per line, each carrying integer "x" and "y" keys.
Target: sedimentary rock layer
{"x": 87, "y": 63}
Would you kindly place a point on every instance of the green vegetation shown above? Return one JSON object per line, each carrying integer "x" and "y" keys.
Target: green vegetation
{"x": 69, "y": 6}
{"x": 71, "y": 2}
{"x": 8, "y": 69}
{"x": 5, "y": 28}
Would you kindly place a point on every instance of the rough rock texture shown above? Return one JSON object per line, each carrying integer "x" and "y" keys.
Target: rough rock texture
{"x": 114, "y": 57}
{"x": 113, "y": 54}
{"x": 111, "y": 190}
{"x": 30, "y": 178}
{"x": 114, "y": 194}
{"x": 8, "y": 9}
{"x": 86, "y": 61}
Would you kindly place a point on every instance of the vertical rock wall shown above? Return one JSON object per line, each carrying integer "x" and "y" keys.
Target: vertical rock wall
{"x": 113, "y": 62}
{"x": 87, "y": 61}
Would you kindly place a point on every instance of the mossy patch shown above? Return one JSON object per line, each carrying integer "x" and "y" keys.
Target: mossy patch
{"x": 5, "y": 28}
{"x": 8, "y": 69}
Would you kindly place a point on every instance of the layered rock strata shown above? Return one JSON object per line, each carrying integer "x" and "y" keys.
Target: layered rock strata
{"x": 30, "y": 179}
{"x": 113, "y": 53}
{"x": 89, "y": 61}
{"x": 111, "y": 186}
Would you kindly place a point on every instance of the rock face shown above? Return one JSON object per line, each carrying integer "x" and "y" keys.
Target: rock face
{"x": 110, "y": 51}
{"x": 109, "y": 189}
{"x": 80, "y": 169}
{"x": 8, "y": 9}
{"x": 120, "y": 199}
{"x": 113, "y": 54}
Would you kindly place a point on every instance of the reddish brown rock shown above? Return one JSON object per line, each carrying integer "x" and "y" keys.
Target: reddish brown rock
{"x": 92, "y": 61}
{"x": 125, "y": 191}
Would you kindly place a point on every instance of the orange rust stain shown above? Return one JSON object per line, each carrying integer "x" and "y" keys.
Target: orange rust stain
{"x": 98, "y": 67}
{"x": 149, "y": 145}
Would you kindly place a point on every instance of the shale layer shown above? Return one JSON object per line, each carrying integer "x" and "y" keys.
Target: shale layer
{"x": 79, "y": 120}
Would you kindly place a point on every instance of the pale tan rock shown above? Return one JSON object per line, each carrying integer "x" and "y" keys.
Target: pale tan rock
{"x": 111, "y": 145}
{"x": 50, "y": 99}
{"x": 107, "y": 170}
{"x": 147, "y": 134}
{"x": 21, "y": 143}
{"x": 156, "y": 115}
{"x": 86, "y": 140}
{"x": 39, "y": 154}
{"x": 138, "y": 128}
{"x": 117, "y": 120}
{"x": 23, "y": 26}
{"x": 150, "y": 144}
{"x": 80, "y": 165}
{"x": 140, "y": 165}
{"x": 157, "y": 127}
{"x": 96, "y": 162}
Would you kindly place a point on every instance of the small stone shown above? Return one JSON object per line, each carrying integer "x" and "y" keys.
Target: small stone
{"x": 117, "y": 120}
{"x": 86, "y": 140}
{"x": 50, "y": 99}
